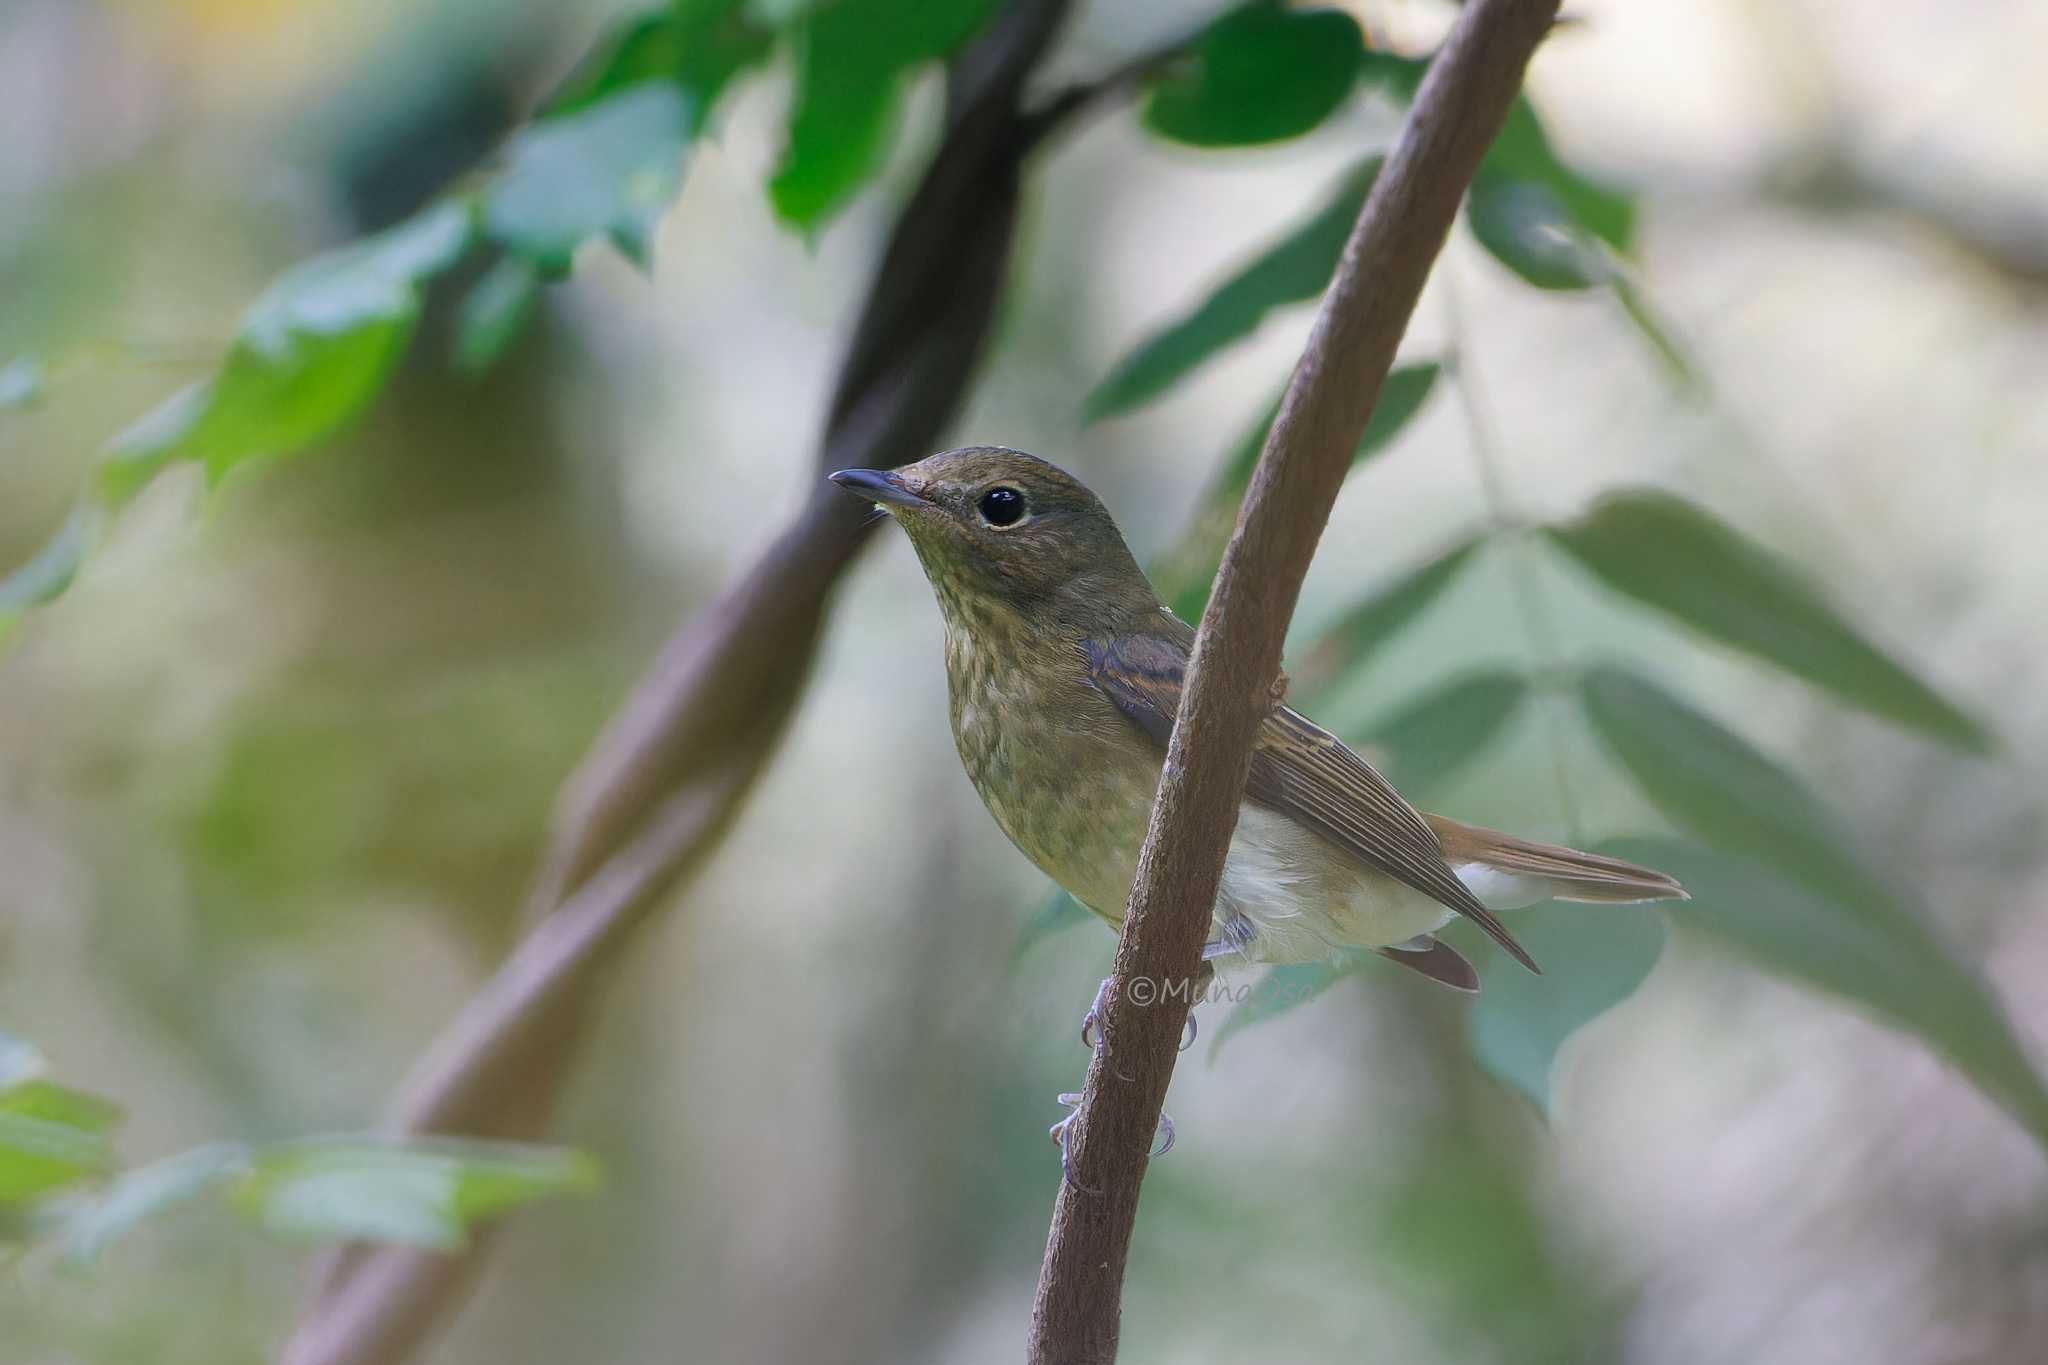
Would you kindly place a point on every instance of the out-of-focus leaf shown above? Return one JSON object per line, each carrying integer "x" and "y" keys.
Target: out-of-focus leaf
{"x": 1707, "y": 779}
{"x": 1635, "y": 305}
{"x": 1894, "y": 967}
{"x": 1594, "y": 957}
{"x": 1293, "y": 270}
{"x": 852, "y": 58}
{"x": 424, "y": 1192}
{"x": 1433, "y": 737}
{"x": 494, "y": 314}
{"x": 1343, "y": 646}
{"x": 1677, "y": 558}
{"x": 146, "y": 1192}
{"x": 51, "y": 1136}
{"x": 1819, "y": 912}
{"x": 611, "y": 167}
{"x": 1537, "y": 215}
{"x": 21, "y": 383}
{"x": 1262, "y": 72}
{"x": 1188, "y": 571}
{"x": 310, "y": 354}
{"x": 50, "y": 570}
{"x": 20, "y": 1060}
{"x": 697, "y": 45}
{"x": 1279, "y": 990}
{"x": 1059, "y": 913}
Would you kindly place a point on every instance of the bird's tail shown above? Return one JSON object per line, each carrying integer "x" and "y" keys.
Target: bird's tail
{"x": 1549, "y": 871}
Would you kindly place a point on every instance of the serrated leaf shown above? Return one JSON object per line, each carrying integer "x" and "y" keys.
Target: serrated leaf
{"x": 494, "y": 314}
{"x": 1343, "y": 646}
{"x": 1897, "y": 969}
{"x": 147, "y": 1192}
{"x": 1594, "y": 957}
{"x": 1433, "y": 737}
{"x": 1278, "y": 991}
{"x": 1293, "y": 270}
{"x": 1187, "y": 572}
{"x": 853, "y": 58}
{"x": 609, "y": 168}
{"x": 423, "y": 1192}
{"x": 1261, "y": 73}
{"x": 311, "y": 352}
{"x": 1676, "y": 557}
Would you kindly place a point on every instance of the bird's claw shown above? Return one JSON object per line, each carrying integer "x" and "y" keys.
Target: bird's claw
{"x": 1092, "y": 1034}
{"x": 1060, "y": 1132}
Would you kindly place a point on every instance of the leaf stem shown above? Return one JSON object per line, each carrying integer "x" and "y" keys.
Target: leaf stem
{"x": 1539, "y": 622}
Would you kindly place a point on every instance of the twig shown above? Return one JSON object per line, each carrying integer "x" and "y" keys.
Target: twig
{"x": 1463, "y": 101}
{"x": 1539, "y": 623}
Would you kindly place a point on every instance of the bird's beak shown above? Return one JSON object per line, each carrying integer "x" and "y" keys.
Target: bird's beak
{"x": 877, "y": 485}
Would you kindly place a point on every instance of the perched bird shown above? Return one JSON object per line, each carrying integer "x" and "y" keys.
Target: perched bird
{"x": 1065, "y": 670}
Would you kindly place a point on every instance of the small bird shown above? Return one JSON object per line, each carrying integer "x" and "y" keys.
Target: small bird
{"x": 1065, "y": 671}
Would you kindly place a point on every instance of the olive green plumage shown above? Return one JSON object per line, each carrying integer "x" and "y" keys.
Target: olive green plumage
{"x": 1064, "y": 671}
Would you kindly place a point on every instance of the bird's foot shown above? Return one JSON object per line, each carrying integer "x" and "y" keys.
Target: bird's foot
{"x": 1093, "y": 1035}
{"x": 1062, "y": 1131}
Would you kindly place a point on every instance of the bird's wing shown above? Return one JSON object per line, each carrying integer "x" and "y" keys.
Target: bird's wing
{"x": 1304, "y": 772}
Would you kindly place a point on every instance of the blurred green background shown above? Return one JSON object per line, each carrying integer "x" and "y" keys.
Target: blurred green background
{"x": 275, "y": 771}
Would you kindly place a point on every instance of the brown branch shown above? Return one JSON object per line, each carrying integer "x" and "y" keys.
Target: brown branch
{"x": 1459, "y": 109}
{"x": 662, "y": 785}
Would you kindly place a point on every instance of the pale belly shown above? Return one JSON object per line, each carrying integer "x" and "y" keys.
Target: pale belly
{"x": 1079, "y": 811}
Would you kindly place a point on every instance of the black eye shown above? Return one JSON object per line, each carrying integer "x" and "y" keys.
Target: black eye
{"x": 1001, "y": 506}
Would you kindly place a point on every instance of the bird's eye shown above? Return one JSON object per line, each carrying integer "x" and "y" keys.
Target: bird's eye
{"x": 1001, "y": 506}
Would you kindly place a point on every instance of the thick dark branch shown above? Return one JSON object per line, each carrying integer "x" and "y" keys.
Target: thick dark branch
{"x": 1457, "y": 112}
{"x": 659, "y": 789}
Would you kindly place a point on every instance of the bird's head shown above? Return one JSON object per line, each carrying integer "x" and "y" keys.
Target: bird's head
{"x": 999, "y": 528}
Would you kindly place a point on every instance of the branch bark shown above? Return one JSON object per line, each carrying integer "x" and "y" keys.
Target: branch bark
{"x": 1457, "y": 112}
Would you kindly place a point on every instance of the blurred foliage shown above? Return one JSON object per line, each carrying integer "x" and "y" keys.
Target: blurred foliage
{"x": 297, "y": 805}
{"x": 56, "y": 1144}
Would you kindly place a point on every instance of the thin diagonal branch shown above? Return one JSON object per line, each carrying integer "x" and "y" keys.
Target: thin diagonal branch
{"x": 1459, "y": 109}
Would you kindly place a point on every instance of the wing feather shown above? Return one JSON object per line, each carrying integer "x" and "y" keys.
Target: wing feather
{"x": 1303, "y": 771}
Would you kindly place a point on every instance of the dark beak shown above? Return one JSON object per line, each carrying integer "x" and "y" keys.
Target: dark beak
{"x": 877, "y": 485}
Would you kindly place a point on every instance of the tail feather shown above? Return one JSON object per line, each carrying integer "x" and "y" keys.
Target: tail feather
{"x": 1565, "y": 873}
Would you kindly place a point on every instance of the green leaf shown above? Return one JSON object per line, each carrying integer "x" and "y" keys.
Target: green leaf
{"x": 1537, "y": 215}
{"x": 698, "y": 45}
{"x": 147, "y": 1192}
{"x": 21, "y": 383}
{"x": 1186, "y": 573}
{"x": 1671, "y": 555}
{"x": 1594, "y": 957}
{"x": 1347, "y": 643}
{"x": 425, "y": 1192}
{"x": 50, "y": 570}
{"x": 311, "y": 352}
{"x": 1261, "y": 73}
{"x": 610, "y": 168}
{"x": 1278, "y": 991}
{"x": 1059, "y": 913}
{"x": 1293, "y": 270}
{"x": 852, "y": 60}
{"x": 1895, "y": 968}
{"x": 51, "y": 1136}
{"x": 1435, "y": 736}
{"x": 1707, "y": 779}
{"x": 494, "y": 314}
